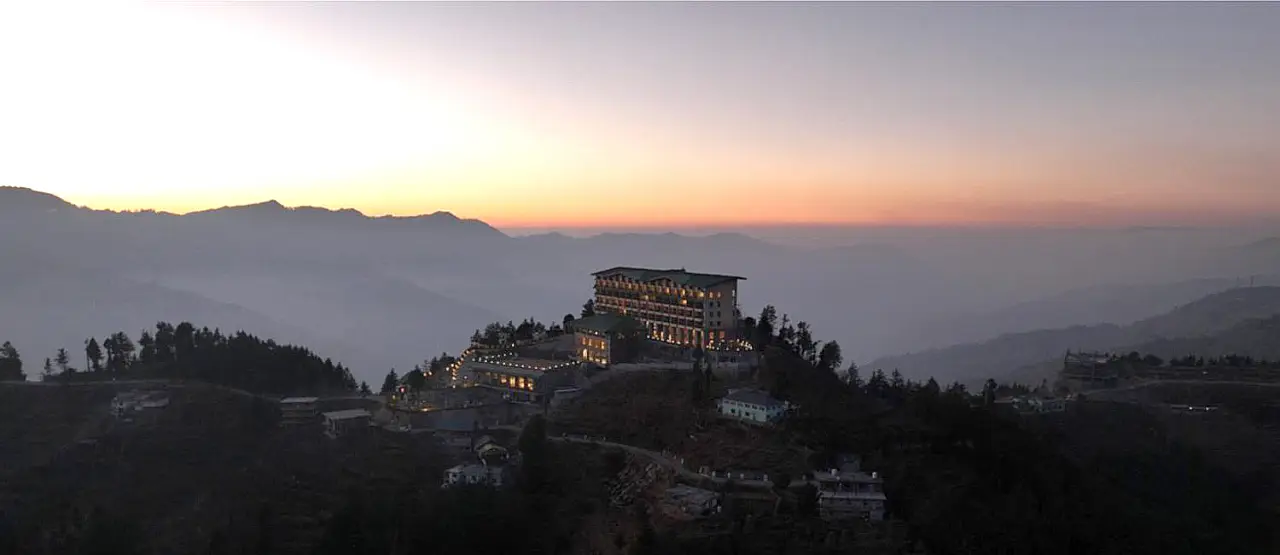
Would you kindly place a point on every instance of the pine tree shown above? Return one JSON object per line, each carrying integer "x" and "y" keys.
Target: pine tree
{"x": 63, "y": 361}
{"x": 765, "y": 326}
{"x": 878, "y": 385}
{"x": 10, "y": 363}
{"x": 989, "y": 392}
{"x": 146, "y": 348}
{"x": 47, "y": 372}
{"x": 830, "y": 357}
{"x": 390, "y": 382}
{"x": 164, "y": 339}
{"x": 852, "y": 377}
{"x": 94, "y": 354}
{"x": 931, "y": 387}
{"x": 805, "y": 345}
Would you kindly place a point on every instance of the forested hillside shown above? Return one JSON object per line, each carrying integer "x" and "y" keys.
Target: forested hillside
{"x": 962, "y": 475}
{"x": 184, "y": 351}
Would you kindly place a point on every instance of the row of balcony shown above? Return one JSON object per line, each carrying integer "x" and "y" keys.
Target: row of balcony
{"x": 651, "y": 297}
{"x": 605, "y": 300}
{"x": 659, "y": 289}
{"x": 650, "y": 316}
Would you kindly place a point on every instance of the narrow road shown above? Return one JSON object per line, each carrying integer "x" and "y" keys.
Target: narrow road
{"x": 187, "y": 383}
{"x": 669, "y": 462}
{"x": 1194, "y": 382}
{"x": 1107, "y": 393}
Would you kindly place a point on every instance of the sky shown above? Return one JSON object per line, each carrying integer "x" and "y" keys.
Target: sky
{"x": 546, "y": 115}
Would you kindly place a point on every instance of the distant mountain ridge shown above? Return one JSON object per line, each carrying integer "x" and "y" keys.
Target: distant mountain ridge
{"x": 1016, "y": 353}
{"x": 402, "y": 289}
{"x": 315, "y": 214}
{"x": 19, "y": 200}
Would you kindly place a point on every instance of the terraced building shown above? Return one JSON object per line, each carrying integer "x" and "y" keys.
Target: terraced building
{"x": 676, "y": 306}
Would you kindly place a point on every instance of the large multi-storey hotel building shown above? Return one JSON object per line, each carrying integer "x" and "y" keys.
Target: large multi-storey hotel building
{"x": 676, "y": 306}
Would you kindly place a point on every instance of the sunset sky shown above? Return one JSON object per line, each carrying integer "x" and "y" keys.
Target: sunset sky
{"x": 572, "y": 114}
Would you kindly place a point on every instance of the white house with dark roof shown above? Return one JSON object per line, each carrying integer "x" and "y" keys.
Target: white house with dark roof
{"x": 752, "y": 405}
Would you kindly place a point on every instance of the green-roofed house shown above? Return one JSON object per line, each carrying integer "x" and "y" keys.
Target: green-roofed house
{"x": 675, "y": 306}
{"x": 607, "y": 338}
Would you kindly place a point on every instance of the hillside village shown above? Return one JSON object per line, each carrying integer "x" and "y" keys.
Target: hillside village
{"x": 641, "y": 325}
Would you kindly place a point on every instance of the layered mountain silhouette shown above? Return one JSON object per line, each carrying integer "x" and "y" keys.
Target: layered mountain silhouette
{"x": 378, "y": 292}
{"x": 1238, "y": 321}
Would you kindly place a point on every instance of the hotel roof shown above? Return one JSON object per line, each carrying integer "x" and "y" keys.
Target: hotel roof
{"x": 677, "y": 276}
{"x": 527, "y": 367}
{"x": 607, "y": 322}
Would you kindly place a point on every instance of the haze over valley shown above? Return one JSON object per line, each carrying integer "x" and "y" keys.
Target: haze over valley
{"x": 381, "y": 292}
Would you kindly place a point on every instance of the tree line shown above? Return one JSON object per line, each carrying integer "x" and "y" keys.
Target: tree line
{"x": 184, "y": 351}
{"x": 498, "y": 334}
{"x": 432, "y": 373}
{"x": 1135, "y": 359}
{"x": 770, "y": 330}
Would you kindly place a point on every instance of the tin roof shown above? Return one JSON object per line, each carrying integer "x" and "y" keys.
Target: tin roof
{"x": 298, "y": 400}
{"x": 347, "y": 414}
{"x": 753, "y": 397}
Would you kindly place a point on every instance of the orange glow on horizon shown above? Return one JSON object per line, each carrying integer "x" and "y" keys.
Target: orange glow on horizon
{"x": 521, "y": 212}
{"x": 104, "y": 118}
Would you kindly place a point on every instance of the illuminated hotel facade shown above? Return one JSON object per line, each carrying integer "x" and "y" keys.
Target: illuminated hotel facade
{"x": 523, "y": 380}
{"x": 675, "y": 306}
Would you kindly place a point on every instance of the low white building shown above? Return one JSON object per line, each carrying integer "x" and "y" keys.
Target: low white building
{"x": 752, "y": 405}
{"x": 474, "y": 474}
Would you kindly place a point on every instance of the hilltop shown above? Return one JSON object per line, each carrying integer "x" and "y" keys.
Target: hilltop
{"x": 1215, "y": 324}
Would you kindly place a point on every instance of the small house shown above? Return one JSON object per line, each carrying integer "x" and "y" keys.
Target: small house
{"x": 752, "y": 405}
{"x": 298, "y": 410}
{"x": 342, "y": 422}
{"x": 489, "y": 451}
{"x": 473, "y": 474}
{"x": 844, "y": 493}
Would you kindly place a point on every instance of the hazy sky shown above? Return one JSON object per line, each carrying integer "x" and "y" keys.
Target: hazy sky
{"x": 665, "y": 113}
